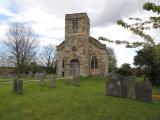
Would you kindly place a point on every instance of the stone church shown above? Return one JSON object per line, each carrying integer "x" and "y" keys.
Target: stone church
{"x": 79, "y": 50}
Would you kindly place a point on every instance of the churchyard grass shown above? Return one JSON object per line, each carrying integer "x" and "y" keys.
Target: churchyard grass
{"x": 84, "y": 102}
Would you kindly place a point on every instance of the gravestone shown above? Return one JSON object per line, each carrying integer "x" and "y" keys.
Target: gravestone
{"x": 108, "y": 79}
{"x": 68, "y": 80}
{"x": 114, "y": 86}
{"x": 144, "y": 91}
{"x": 52, "y": 81}
{"x": 9, "y": 75}
{"x": 18, "y": 86}
{"x": 75, "y": 72}
{"x": 30, "y": 74}
{"x": 41, "y": 77}
{"x": 76, "y": 80}
{"x": 122, "y": 86}
{"x": 147, "y": 90}
{"x": 36, "y": 75}
{"x": 128, "y": 86}
{"x": 139, "y": 90}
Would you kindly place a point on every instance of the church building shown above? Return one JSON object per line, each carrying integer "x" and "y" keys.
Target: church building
{"x": 79, "y": 50}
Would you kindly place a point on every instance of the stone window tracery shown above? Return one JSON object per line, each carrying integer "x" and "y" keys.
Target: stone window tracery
{"x": 63, "y": 63}
{"x": 75, "y": 25}
{"x": 94, "y": 63}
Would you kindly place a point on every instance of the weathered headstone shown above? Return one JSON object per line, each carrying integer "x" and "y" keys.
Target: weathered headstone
{"x": 114, "y": 86}
{"x": 128, "y": 87}
{"x": 139, "y": 90}
{"x": 144, "y": 91}
{"x": 41, "y": 77}
{"x": 52, "y": 81}
{"x": 75, "y": 72}
{"x": 125, "y": 86}
{"x": 147, "y": 90}
{"x": 18, "y": 86}
{"x": 76, "y": 80}
{"x": 68, "y": 79}
{"x": 30, "y": 74}
{"x": 131, "y": 87}
{"x": 108, "y": 79}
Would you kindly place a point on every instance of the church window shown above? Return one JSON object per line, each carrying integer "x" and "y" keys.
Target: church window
{"x": 83, "y": 51}
{"x": 94, "y": 63}
{"x": 75, "y": 25}
{"x": 63, "y": 63}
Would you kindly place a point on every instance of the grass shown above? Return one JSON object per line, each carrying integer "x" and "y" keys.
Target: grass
{"x": 86, "y": 102}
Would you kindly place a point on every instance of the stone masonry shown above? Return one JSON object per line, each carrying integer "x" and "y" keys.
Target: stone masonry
{"x": 80, "y": 48}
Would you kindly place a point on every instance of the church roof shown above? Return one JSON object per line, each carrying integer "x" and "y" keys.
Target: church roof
{"x": 92, "y": 40}
{"x": 61, "y": 46}
{"x": 97, "y": 43}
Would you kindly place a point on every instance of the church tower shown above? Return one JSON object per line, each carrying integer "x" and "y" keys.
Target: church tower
{"x": 76, "y": 25}
{"x": 77, "y": 30}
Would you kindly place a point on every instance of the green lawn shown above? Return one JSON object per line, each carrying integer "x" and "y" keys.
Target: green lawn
{"x": 86, "y": 102}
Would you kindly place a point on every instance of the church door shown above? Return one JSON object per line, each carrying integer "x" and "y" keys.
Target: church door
{"x": 74, "y": 67}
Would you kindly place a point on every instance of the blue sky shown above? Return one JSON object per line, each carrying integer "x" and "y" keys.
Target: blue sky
{"x": 47, "y": 19}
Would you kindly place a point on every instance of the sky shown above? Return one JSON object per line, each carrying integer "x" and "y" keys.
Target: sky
{"x": 47, "y": 18}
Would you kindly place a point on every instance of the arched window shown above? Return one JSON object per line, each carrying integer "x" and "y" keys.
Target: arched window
{"x": 94, "y": 63}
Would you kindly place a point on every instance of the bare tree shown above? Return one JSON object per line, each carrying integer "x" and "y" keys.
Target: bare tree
{"x": 47, "y": 56}
{"x": 5, "y": 61}
{"x": 21, "y": 44}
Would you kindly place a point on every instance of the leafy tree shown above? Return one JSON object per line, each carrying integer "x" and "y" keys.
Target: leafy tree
{"x": 148, "y": 57}
{"x": 149, "y": 60}
{"x": 125, "y": 70}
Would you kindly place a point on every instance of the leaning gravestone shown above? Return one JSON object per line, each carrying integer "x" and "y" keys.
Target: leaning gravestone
{"x": 114, "y": 86}
{"x": 52, "y": 81}
{"x": 18, "y": 86}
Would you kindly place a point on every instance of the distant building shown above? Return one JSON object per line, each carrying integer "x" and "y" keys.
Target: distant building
{"x": 79, "y": 50}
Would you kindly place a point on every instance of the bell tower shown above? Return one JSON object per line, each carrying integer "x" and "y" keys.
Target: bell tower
{"x": 77, "y": 30}
{"x": 76, "y": 26}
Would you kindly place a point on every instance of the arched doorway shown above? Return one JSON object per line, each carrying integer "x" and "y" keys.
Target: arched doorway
{"x": 74, "y": 67}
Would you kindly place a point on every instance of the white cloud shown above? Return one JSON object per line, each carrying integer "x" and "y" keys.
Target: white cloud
{"x": 47, "y": 18}
{"x": 3, "y": 29}
{"x": 6, "y": 12}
